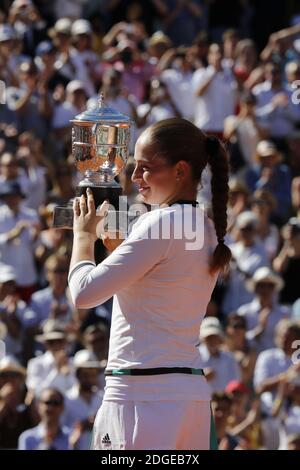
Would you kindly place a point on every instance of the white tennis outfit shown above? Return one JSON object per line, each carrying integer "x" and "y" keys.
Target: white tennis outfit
{"x": 161, "y": 293}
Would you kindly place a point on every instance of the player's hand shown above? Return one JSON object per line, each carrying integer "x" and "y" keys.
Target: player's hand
{"x": 86, "y": 219}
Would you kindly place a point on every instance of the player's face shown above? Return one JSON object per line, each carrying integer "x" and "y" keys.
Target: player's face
{"x": 154, "y": 176}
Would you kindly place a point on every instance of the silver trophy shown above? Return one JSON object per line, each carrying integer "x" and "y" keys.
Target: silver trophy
{"x": 100, "y": 143}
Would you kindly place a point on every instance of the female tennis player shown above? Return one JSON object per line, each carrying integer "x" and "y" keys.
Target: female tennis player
{"x": 156, "y": 396}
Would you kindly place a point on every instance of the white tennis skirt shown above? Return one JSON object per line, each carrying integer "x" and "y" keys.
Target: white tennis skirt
{"x": 154, "y": 425}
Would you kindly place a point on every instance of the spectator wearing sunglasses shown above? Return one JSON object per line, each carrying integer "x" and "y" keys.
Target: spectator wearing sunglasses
{"x": 53, "y": 368}
{"x": 264, "y": 312}
{"x": 53, "y": 301}
{"x": 15, "y": 415}
{"x": 49, "y": 434}
{"x": 238, "y": 344}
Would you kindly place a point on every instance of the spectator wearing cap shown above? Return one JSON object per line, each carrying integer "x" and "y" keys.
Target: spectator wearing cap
{"x": 84, "y": 399}
{"x": 68, "y": 63}
{"x": 263, "y": 204}
{"x": 53, "y": 368}
{"x": 81, "y": 32}
{"x": 215, "y": 93}
{"x": 287, "y": 408}
{"x": 272, "y": 175}
{"x": 15, "y": 415}
{"x": 287, "y": 262}
{"x": 95, "y": 338}
{"x": 10, "y": 171}
{"x": 48, "y": 434}
{"x": 264, "y": 312}
{"x": 157, "y": 46}
{"x": 248, "y": 255}
{"x": 220, "y": 367}
{"x": 53, "y": 301}
{"x": 63, "y": 184}
{"x": 237, "y": 343}
{"x": 275, "y": 108}
{"x": 244, "y": 423}
{"x": 19, "y": 228}
{"x": 238, "y": 200}
{"x": 74, "y": 103}
{"x": 14, "y": 314}
{"x": 8, "y": 54}
{"x": 272, "y": 367}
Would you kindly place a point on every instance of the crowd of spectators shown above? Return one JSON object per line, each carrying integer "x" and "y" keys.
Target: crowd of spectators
{"x": 232, "y": 68}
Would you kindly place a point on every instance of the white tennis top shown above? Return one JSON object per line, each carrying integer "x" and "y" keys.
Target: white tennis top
{"x": 162, "y": 287}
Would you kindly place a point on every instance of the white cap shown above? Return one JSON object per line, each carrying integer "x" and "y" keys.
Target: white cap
{"x": 210, "y": 326}
{"x": 265, "y": 274}
{"x": 87, "y": 359}
{"x": 81, "y": 27}
{"x": 10, "y": 364}
{"x": 63, "y": 25}
{"x": 52, "y": 329}
{"x": 6, "y": 32}
{"x": 246, "y": 218}
{"x": 75, "y": 85}
{"x": 7, "y": 273}
{"x": 265, "y": 148}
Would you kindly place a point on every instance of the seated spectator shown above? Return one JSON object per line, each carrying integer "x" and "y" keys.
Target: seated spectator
{"x": 15, "y": 415}
{"x": 15, "y": 314}
{"x": 287, "y": 262}
{"x": 53, "y": 301}
{"x": 95, "y": 338}
{"x": 48, "y": 434}
{"x": 19, "y": 229}
{"x": 237, "y": 200}
{"x": 274, "y": 366}
{"x": 263, "y": 205}
{"x": 221, "y": 407}
{"x": 270, "y": 174}
{"x": 53, "y": 368}
{"x": 264, "y": 312}
{"x": 287, "y": 408}
{"x": 237, "y": 344}
{"x": 84, "y": 399}
{"x": 244, "y": 423}
{"x": 220, "y": 367}
{"x": 63, "y": 186}
{"x": 248, "y": 255}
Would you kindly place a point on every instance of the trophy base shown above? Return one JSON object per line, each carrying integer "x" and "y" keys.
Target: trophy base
{"x": 100, "y": 193}
{"x": 63, "y": 215}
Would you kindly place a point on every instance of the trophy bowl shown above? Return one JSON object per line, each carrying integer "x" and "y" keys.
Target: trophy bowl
{"x": 100, "y": 142}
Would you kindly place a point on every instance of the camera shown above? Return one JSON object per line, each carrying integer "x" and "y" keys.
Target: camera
{"x": 294, "y": 223}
